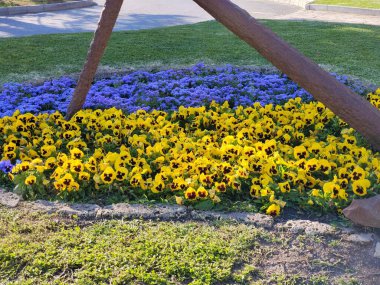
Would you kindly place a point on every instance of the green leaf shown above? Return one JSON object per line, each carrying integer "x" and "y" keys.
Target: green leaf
{"x": 204, "y": 205}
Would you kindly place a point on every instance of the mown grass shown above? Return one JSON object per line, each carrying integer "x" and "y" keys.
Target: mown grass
{"x": 344, "y": 48}
{"x": 120, "y": 252}
{"x": 42, "y": 249}
{"x": 374, "y": 4}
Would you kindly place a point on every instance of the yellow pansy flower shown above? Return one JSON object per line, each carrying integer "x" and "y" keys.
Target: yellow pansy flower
{"x": 108, "y": 175}
{"x": 331, "y": 189}
{"x": 202, "y": 192}
{"x": 137, "y": 180}
{"x": 191, "y": 194}
{"x": 30, "y": 180}
{"x": 300, "y": 152}
{"x": 50, "y": 163}
{"x": 220, "y": 187}
{"x": 84, "y": 176}
{"x": 158, "y": 186}
{"x": 273, "y": 210}
{"x": 358, "y": 173}
{"x": 76, "y": 153}
{"x": 284, "y": 187}
{"x": 121, "y": 173}
{"x": 359, "y": 187}
{"x": 76, "y": 166}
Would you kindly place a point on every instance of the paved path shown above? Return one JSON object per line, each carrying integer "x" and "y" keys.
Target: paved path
{"x": 138, "y": 14}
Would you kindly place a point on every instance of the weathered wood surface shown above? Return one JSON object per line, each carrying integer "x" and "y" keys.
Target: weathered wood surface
{"x": 350, "y": 107}
{"x": 364, "y": 212}
{"x": 98, "y": 45}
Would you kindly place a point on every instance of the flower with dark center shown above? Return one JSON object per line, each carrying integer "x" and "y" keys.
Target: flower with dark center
{"x": 202, "y": 192}
{"x": 221, "y": 187}
{"x": 108, "y": 175}
{"x": 273, "y": 210}
{"x": 191, "y": 194}
{"x": 30, "y": 180}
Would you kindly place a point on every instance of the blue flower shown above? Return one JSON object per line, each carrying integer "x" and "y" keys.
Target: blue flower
{"x": 163, "y": 90}
{"x": 6, "y": 166}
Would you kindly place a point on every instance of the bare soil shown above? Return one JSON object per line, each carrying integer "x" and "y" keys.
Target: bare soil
{"x": 321, "y": 260}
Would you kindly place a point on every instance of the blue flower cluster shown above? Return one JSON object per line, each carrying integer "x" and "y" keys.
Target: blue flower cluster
{"x": 164, "y": 90}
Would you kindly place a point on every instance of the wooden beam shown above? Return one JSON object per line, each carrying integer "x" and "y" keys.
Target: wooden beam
{"x": 98, "y": 45}
{"x": 350, "y": 107}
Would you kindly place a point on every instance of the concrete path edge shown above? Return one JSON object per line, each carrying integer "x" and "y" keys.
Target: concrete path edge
{"x": 10, "y": 11}
{"x": 300, "y": 3}
{"x": 307, "y": 5}
{"x": 343, "y": 9}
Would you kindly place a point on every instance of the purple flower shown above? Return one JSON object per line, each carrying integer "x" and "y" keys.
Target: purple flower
{"x": 163, "y": 90}
{"x": 6, "y": 166}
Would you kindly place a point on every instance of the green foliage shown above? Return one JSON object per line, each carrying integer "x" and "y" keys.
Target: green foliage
{"x": 192, "y": 165}
{"x": 119, "y": 252}
{"x": 330, "y": 45}
{"x": 44, "y": 249}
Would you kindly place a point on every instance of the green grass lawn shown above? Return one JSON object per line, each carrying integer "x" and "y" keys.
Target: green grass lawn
{"x": 344, "y": 48}
{"x": 42, "y": 249}
{"x": 373, "y": 4}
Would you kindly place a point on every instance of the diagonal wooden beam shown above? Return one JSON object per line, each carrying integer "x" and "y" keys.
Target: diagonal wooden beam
{"x": 98, "y": 45}
{"x": 350, "y": 107}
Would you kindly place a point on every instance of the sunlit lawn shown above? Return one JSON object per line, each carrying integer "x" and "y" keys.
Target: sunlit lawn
{"x": 344, "y": 48}
{"x": 374, "y": 4}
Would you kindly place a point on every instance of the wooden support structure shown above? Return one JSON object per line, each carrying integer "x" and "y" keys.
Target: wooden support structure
{"x": 98, "y": 45}
{"x": 350, "y": 107}
{"x": 347, "y": 105}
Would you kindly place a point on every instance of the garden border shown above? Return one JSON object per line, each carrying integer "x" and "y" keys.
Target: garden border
{"x": 300, "y": 3}
{"x": 161, "y": 212}
{"x": 307, "y": 5}
{"x": 172, "y": 212}
{"x": 343, "y": 9}
{"x": 10, "y": 11}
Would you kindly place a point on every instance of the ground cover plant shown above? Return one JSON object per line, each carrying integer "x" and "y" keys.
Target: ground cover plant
{"x": 328, "y": 44}
{"x": 47, "y": 249}
{"x": 372, "y": 4}
{"x": 272, "y": 152}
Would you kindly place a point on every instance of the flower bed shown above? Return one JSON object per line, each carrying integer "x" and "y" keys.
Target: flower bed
{"x": 164, "y": 90}
{"x": 298, "y": 153}
{"x": 195, "y": 136}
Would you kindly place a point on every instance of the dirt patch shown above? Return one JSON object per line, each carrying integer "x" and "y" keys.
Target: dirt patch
{"x": 321, "y": 260}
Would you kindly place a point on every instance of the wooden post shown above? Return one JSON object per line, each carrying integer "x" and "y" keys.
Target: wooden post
{"x": 350, "y": 107}
{"x": 98, "y": 45}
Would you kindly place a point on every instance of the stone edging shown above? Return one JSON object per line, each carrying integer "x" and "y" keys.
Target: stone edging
{"x": 343, "y": 9}
{"x": 10, "y": 11}
{"x": 146, "y": 212}
{"x": 307, "y": 5}
{"x": 182, "y": 213}
{"x": 157, "y": 212}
